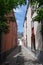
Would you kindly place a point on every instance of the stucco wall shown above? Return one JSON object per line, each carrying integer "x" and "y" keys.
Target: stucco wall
{"x": 24, "y": 32}
{"x": 38, "y": 37}
{"x": 29, "y": 27}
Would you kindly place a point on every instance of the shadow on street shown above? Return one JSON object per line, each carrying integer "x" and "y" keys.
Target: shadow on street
{"x": 17, "y": 58}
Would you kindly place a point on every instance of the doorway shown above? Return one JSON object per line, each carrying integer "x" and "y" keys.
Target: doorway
{"x": 33, "y": 40}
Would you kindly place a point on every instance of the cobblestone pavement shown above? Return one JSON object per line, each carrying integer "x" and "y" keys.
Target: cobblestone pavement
{"x": 21, "y": 58}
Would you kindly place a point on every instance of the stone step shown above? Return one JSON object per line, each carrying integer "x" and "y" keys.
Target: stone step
{"x": 28, "y": 53}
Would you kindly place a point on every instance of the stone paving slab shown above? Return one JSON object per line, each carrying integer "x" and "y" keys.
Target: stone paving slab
{"x": 20, "y": 59}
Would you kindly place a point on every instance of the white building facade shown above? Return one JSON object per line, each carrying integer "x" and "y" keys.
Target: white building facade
{"x": 28, "y": 25}
{"x": 27, "y": 28}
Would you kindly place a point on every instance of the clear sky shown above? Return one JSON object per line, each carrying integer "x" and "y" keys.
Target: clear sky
{"x": 20, "y": 15}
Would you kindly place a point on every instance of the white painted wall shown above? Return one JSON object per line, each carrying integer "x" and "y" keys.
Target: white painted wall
{"x": 20, "y": 42}
{"x": 29, "y": 27}
{"x": 28, "y": 31}
{"x": 25, "y": 32}
{"x": 38, "y": 37}
{"x": 37, "y": 28}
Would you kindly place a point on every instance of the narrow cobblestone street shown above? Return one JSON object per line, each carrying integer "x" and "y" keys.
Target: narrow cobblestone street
{"x": 21, "y": 32}
{"x": 21, "y": 57}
